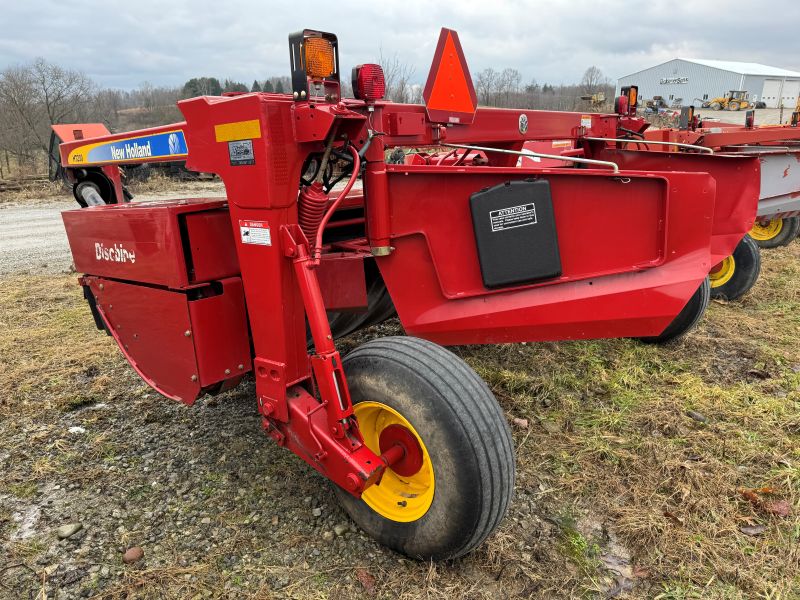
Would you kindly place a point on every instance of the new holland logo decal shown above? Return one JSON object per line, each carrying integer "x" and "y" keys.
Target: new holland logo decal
{"x": 167, "y": 144}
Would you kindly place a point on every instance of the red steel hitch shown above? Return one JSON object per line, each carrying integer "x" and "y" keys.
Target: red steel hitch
{"x": 324, "y": 433}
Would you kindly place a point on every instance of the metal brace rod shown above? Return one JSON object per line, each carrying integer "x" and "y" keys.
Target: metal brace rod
{"x": 646, "y": 142}
{"x": 760, "y": 149}
{"x": 585, "y": 161}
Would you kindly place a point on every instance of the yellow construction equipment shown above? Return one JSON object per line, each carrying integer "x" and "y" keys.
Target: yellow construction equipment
{"x": 595, "y": 100}
{"x": 733, "y": 100}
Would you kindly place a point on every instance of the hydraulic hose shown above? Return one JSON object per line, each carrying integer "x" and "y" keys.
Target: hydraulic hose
{"x": 332, "y": 208}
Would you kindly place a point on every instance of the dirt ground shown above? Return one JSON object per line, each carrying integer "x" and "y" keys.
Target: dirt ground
{"x": 643, "y": 472}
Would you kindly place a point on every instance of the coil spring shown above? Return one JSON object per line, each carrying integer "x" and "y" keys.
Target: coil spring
{"x": 311, "y": 209}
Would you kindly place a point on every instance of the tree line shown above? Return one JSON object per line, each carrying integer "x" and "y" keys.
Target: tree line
{"x": 37, "y": 95}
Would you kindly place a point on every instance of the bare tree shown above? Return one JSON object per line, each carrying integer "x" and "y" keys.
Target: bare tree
{"x": 398, "y": 79}
{"x": 37, "y": 96}
{"x": 64, "y": 93}
{"x": 593, "y": 80}
{"x": 486, "y": 86}
{"x": 18, "y": 113}
{"x": 107, "y": 105}
{"x": 508, "y": 85}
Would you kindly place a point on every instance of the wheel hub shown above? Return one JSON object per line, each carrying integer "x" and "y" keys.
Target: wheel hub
{"x": 723, "y": 272}
{"x": 766, "y": 230}
{"x": 410, "y": 460}
{"x": 406, "y": 488}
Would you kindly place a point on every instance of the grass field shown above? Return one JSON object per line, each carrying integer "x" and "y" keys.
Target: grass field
{"x": 643, "y": 472}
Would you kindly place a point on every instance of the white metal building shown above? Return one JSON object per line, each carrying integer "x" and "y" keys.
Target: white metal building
{"x": 693, "y": 80}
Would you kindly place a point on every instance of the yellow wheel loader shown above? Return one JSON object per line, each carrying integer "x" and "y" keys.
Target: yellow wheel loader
{"x": 733, "y": 100}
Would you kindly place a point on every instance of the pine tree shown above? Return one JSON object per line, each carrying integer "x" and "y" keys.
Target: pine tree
{"x": 268, "y": 87}
{"x": 256, "y": 87}
{"x": 279, "y": 87}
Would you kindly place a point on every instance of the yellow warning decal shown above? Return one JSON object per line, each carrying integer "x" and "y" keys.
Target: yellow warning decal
{"x": 240, "y": 130}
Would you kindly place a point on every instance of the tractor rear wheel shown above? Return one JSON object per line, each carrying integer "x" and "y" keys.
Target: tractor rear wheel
{"x": 454, "y": 484}
{"x": 734, "y": 276}
{"x": 775, "y": 232}
{"x": 686, "y": 319}
{"x": 733, "y": 106}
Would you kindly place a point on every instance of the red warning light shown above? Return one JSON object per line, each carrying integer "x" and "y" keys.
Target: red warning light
{"x": 449, "y": 94}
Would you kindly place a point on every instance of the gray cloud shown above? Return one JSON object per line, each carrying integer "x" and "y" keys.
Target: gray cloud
{"x": 122, "y": 44}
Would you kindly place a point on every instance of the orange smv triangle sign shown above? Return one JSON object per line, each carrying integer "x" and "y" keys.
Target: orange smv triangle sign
{"x": 449, "y": 94}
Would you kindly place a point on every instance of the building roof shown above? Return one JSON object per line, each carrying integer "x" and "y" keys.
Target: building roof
{"x": 744, "y": 68}
{"x": 741, "y": 68}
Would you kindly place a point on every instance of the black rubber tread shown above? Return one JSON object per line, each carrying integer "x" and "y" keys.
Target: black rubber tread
{"x": 687, "y": 319}
{"x": 380, "y": 308}
{"x": 383, "y": 309}
{"x": 790, "y": 230}
{"x": 345, "y": 323}
{"x": 747, "y": 262}
{"x": 465, "y": 423}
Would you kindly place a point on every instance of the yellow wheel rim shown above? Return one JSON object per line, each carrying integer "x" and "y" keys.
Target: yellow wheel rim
{"x": 766, "y": 231}
{"x": 402, "y": 499}
{"x": 723, "y": 273}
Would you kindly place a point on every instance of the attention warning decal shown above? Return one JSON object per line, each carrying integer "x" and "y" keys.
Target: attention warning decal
{"x": 513, "y": 216}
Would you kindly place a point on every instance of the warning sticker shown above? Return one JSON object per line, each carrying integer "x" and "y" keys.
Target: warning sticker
{"x": 513, "y": 216}
{"x": 241, "y": 153}
{"x": 586, "y": 121}
{"x": 255, "y": 232}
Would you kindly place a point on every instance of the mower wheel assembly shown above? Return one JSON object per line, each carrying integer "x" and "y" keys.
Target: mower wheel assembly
{"x": 775, "y": 232}
{"x": 454, "y": 483}
{"x": 687, "y": 318}
{"x": 734, "y": 276}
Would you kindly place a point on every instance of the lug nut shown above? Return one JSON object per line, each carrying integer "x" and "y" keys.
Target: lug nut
{"x": 187, "y": 333}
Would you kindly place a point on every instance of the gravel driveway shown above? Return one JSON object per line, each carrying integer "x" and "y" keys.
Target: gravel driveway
{"x": 32, "y": 237}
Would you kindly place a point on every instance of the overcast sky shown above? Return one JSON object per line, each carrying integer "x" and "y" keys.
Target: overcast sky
{"x": 122, "y": 44}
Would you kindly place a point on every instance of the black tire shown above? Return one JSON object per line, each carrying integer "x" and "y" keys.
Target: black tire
{"x": 747, "y": 266}
{"x": 790, "y": 227}
{"x": 100, "y": 182}
{"x": 466, "y": 435}
{"x": 384, "y": 309}
{"x": 686, "y": 319}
